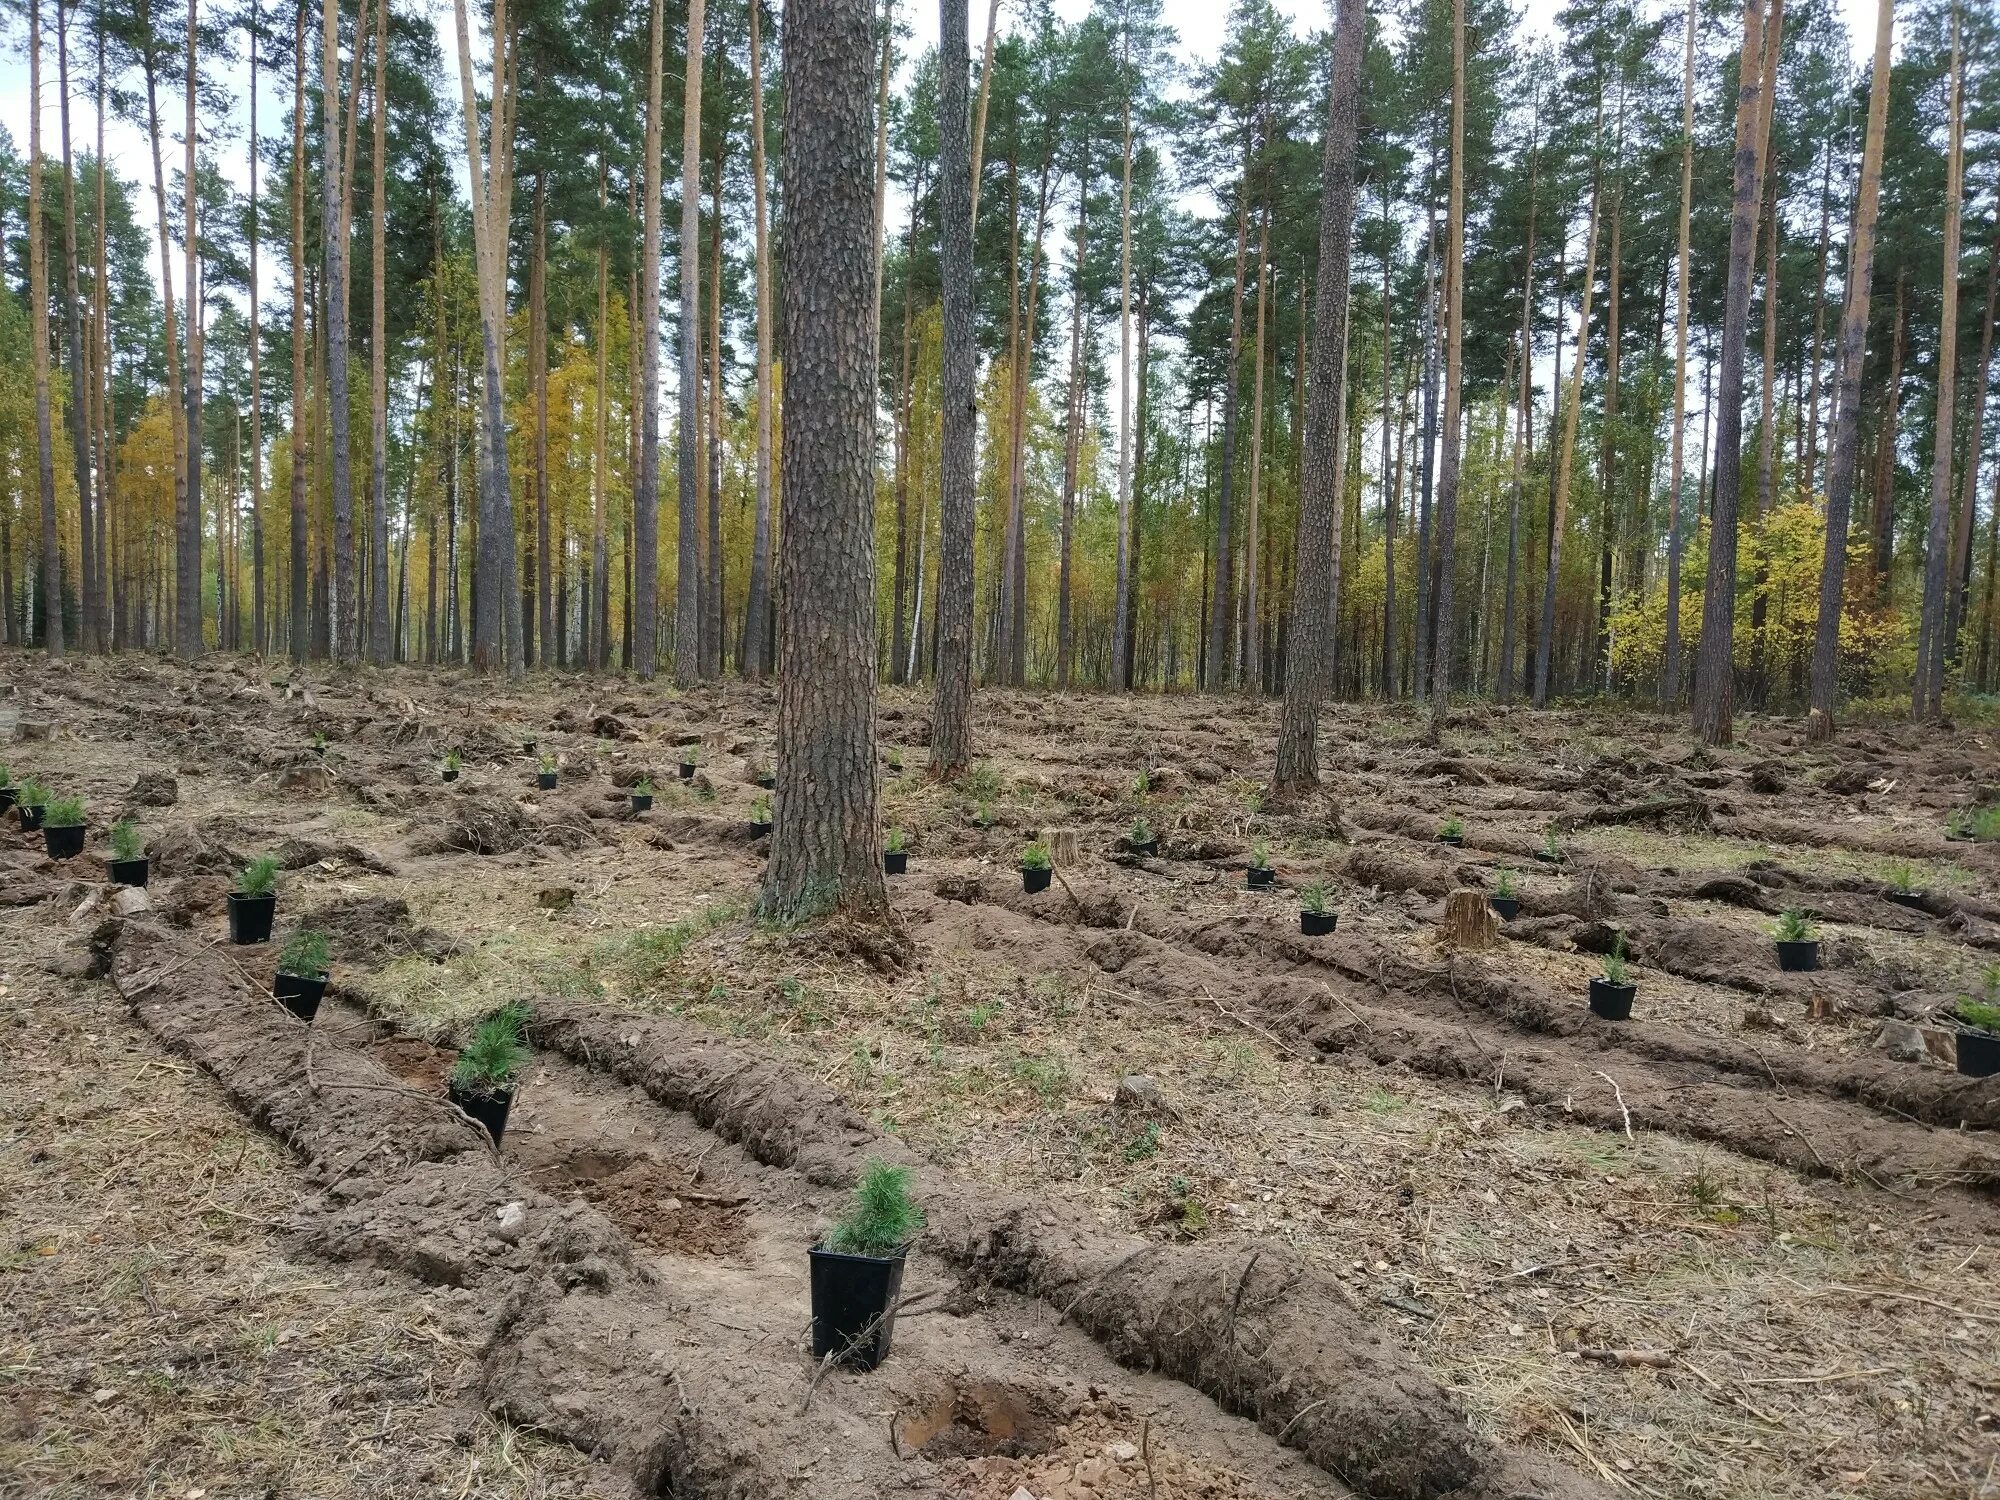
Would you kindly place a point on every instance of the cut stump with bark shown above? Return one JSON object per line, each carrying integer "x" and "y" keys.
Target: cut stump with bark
{"x": 1469, "y": 921}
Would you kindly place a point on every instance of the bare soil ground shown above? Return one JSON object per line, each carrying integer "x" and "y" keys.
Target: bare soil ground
{"x": 1216, "y": 1209}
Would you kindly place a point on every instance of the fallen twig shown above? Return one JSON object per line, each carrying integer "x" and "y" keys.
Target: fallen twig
{"x": 1619, "y": 1094}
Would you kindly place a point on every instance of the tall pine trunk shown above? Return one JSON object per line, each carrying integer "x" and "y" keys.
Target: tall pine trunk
{"x": 951, "y": 716}
{"x": 1505, "y": 691}
{"x": 826, "y": 849}
{"x": 301, "y": 582}
{"x": 79, "y": 406}
{"x": 333, "y": 240}
{"x": 687, "y": 580}
{"x": 1448, "y": 467}
{"x": 756, "y": 654}
{"x": 1928, "y": 694}
{"x": 1714, "y": 680}
{"x": 1308, "y": 664}
{"x": 378, "y": 360}
{"x": 1222, "y": 612}
{"x": 1670, "y": 677}
{"x": 38, "y": 295}
{"x": 642, "y": 555}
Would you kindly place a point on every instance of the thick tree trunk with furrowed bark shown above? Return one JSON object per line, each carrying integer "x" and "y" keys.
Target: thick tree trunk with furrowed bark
{"x": 826, "y": 848}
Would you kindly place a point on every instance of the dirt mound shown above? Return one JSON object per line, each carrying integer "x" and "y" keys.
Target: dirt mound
{"x": 483, "y": 823}
{"x": 370, "y": 930}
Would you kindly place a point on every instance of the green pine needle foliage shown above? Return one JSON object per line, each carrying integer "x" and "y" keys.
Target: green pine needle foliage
{"x": 259, "y": 877}
{"x": 493, "y": 1054}
{"x": 882, "y": 1218}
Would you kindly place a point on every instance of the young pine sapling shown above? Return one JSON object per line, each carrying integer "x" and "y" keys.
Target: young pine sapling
{"x": 1792, "y": 927}
{"x": 259, "y": 878}
{"x": 1452, "y": 828}
{"x": 760, "y": 808}
{"x": 306, "y": 955}
{"x": 883, "y": 1218}
{"x": 1503, "y": 883}
{"x": 492, "y": 1056}
{"x": 126, "y": 845}
{"x": 1313, "y": 898}
{"x": 1035, "y": 856}
{"x": 64, "y": 812}
{"x": 1616, "y": 971}
{"x": 1260, "y": 854}
{"x": 1141, "y": 832}
{"x": 895, "y": 841}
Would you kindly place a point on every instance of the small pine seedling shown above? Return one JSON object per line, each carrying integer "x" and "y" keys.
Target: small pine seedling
{"x": 34, "y": 794}
{"x": 1615, "y": 968}
{"x": 1503, "y": 884}
{"x": 760, "y": 808}
{"x": 319, "y": 743}
{"x": 1035, "y": 856}
{"x": 1313, "y": 898}
{"x": 1142, "y": 784}
{"x": 895, "y": 757}
{"x": 306, "y": 955}
{"x": 64, "y": 812}
{"x": 259, "y": 877}
{"x": 1453, "y": 828}
{"x": 453, "y": 760}
{"x": 883, "y": 1218}
{"x": 126, "y": 845}
{"x": 644, "y": 788}
{"x": 895, "y": 843}
{"x": 1902, "y": 880}
{"x": 1986, "y": 824}
{"x": 548, "y": 765}
{"x": 1793, "y": 927}
{"x": 1979, "y": 1015}
{"x": 1549, "y": 845}
{"x": 983, "y": 813}
{"x": 1141, "y": 832}
{"x": 1260, "y": 854}
{"x": 6, "y": 776}
{"x": 493, "y": 1055}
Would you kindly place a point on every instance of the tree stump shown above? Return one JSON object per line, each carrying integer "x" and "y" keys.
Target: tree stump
{"x": 1469, "y": 921}
{"x": 1064, "y": 851}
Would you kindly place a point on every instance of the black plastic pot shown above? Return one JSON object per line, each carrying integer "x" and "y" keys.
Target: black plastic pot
{"x": 1912, "y": 899}
{"x": 854, "y": 1305}
{"x": 130, "y": 871}
{"x": 545, "y": 780}
{"x": 300, "y": 993}
{"x": 758, "y": 830}
{"x": 768, "y": 783}
{"x": 489, "y": 1108}
{"x": 8, "y": 797}
{"x": 1801, "y": 957}
{"x": 1547, "y": 858}
{"x": 1259, "y": 877}
{"x": 1035, "y": 880}
{"x": 1318, "y": 923}
{"x": 1504, "y": 907}
{"x": 65, "y": 842}
{"x": 31, "y": 817}
{"x": 250, "y": 917}
{"x": 449, "y": 773}
{"x": 897, "y": 863}
{"x": 642, "y": 802}
{"x": 527, "y": 747}
{"x": 1978, "y": 1054}
{"x": 1612, "y": 1001}
{"x": 687, "y": 770}
{"x": 1146, "y": 850}
{"x": 1456, "y": 840}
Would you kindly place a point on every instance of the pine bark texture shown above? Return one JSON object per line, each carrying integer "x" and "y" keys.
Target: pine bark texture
{"x": 1308, "y": 664}
{"x": 951, "y": 714}
{"x": 1714, "y": 682}
{"x": 1841, "y": 468}
{"x": 826, "y": 847}
{"x": 687, "y": 578}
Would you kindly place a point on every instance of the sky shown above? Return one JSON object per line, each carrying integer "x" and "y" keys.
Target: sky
{"x": 1199, "y": 23}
